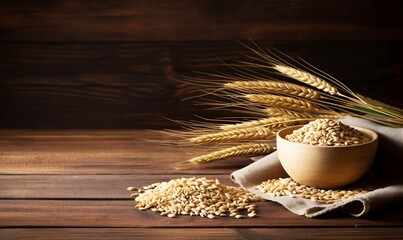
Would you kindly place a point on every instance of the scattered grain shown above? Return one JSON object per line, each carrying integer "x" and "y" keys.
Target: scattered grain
{"x": 252, "y": 214}
{"x": 196, "y": 197}
{"x": 288, "y": 187}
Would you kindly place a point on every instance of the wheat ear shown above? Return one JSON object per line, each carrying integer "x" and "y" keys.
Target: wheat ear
{"x": 294, "y": 114}
{"x": 284, "y": 112}
{"x": 273, "y": 86}
{"x": 281, "y": 101}
{"x": 241, "y": 150}
{"x": 237, "y": 134}
{"x": 271, "y": 123}
{"x": 307, "y": 78}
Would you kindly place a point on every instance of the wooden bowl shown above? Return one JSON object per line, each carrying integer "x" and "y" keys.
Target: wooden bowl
{"x": 326, "y": 166}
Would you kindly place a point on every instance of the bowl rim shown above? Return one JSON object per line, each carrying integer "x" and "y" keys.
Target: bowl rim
{"x": 374, "y": 138}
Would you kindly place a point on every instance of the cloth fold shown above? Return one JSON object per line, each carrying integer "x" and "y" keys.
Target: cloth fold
{"x": 387, "y": 190}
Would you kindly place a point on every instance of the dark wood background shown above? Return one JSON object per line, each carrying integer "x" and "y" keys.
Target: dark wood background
{"x": 80, "y": 79}
{"x": 114, "y": 64}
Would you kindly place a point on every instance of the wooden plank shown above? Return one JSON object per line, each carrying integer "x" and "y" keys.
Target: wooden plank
{"x": 97, "y": 152}
{"x": 121, "y": 213}
{"x": 134, "y": 85}
{"x": 198, "y": 20}
{"x": 99, "y": 85}
{"x": 79, "y": 88}
{"x": 83, "y": 186}
{"x": 101, "y": 187}
{"x": 202, "y": 234}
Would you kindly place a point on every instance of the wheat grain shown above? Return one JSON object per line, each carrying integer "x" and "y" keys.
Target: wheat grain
{"x": 195, "y": 197}
{"x": 274, "y": 86}
{"x": 281, "y": 101}
{"x": 252, "y": 214}
{"x": 307, "y": 78}
{"x": 241, "y": 150}
{"x": 288, "y": 187}
{"x": 327, "y": 132}
{"x": 237, "y": 134}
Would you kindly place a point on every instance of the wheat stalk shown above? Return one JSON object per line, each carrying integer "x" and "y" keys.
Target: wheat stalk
{"x": 251, "y": 88}
{"x": 273, "y": 86}
{"x": 241, "y": 150}
{"x": 281, "y": 101}
{"x": 237, "y": 134}
{"x": 307, "y": 78}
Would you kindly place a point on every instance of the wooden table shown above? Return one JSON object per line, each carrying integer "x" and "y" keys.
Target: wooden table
{"x": 72, "y": 185}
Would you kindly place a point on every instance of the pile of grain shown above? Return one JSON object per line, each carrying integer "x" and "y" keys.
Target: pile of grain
{"x": 288, "y": 187}
{"x": 196, "y": 197}
{"x": 327, "y": 132}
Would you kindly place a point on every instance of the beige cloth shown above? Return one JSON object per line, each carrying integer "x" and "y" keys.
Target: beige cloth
{"x": 387, "y": 190}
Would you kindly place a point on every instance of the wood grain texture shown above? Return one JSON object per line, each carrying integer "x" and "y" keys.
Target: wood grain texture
{"x": 83, "y": 186}
{"x": 121, "y": 213}
{"x": 55, "y": 206}
{"x": 198, "y": 234}
{"x": 136, "y": 85}
{"x": 97, "y": 152}
{"x": 198, "y": 20}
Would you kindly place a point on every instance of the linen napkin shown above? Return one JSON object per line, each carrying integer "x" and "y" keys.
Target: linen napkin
{"x": 385, "y": 177}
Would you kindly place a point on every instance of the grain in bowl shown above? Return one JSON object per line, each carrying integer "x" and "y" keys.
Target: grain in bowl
{"x": 326, "y": 154}
{"x": 327, "y": 132}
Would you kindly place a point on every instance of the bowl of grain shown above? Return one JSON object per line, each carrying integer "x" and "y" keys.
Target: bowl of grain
{"x": 326, "y": 153}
